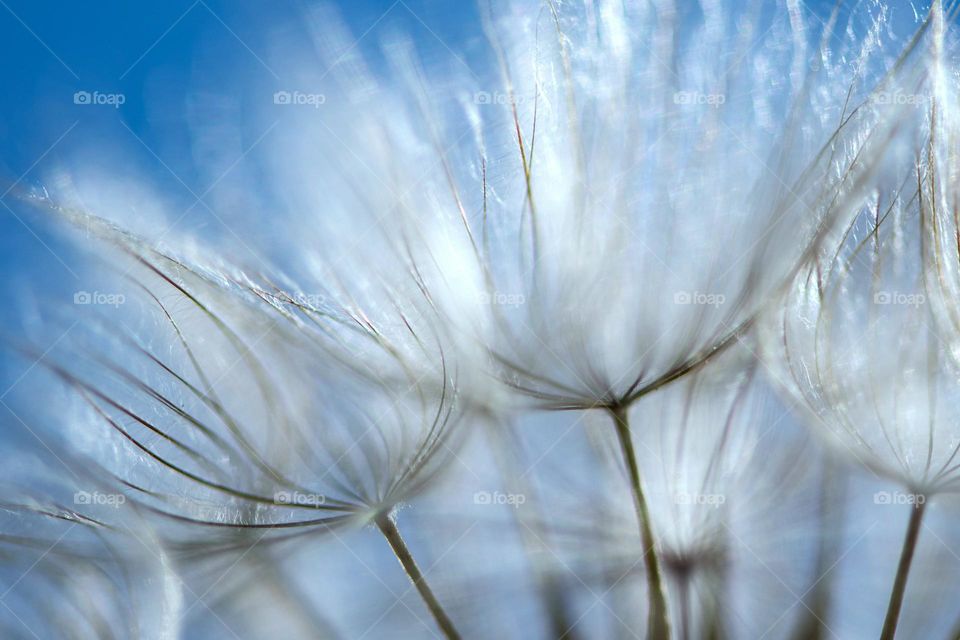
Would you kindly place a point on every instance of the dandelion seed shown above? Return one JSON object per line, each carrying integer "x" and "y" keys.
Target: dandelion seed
{"x": 861, "y": 338}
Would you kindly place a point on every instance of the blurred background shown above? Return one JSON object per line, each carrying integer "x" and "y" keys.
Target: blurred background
{"x": 164, "y": 105}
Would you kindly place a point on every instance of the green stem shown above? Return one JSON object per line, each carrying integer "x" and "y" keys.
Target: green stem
{"x": 659, "y": 619}
{"x": 903, "y": 572}
{"x": 685, "y": 605}
{"x": 389, "y": 530}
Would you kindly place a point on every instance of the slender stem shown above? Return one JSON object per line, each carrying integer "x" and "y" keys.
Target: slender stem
{"x": 389, "y": 530}
{"x": 714, "y": 615}
{"x": 685, "y": 605}
{"x": 903, "y": 571}
{"x": 813, "y": 624}
{"x": 659, "y": 620}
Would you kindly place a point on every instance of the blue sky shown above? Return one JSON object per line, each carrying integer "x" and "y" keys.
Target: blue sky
{"x": 53, "y": 49}
{"x": 158, "y": 51}
{"x": 152, "y": 50}
{"x": 156, "y": 54}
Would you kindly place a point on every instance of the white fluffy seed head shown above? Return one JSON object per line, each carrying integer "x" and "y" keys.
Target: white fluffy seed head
{"x": 866, "y": 337}
{"x": 601, "y": 209}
